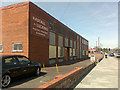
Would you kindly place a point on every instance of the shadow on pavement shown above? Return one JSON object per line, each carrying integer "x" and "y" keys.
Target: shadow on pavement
{"x": 21, "y": 80}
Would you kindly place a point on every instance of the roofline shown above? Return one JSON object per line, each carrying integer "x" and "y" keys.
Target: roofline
{"x": 15, "y": 5}
{"x": 29, "y": 2}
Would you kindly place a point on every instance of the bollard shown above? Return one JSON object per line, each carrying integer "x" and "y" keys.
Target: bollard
{"x": 57, "y": 67}
{"x": 43, "y": 66}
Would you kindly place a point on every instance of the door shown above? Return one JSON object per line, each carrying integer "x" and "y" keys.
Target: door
{"x": 12, "y": 64}
{"x": 25, "y": 63}
{"x": 66, "y": 54}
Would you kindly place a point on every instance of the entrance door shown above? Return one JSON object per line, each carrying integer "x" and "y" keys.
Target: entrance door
{"x": 66, "y": 53}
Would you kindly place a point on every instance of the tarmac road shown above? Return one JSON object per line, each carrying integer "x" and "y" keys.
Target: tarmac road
{"x": 104, "y": 75}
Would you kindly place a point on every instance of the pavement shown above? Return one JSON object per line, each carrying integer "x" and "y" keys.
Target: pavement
{"x": 104, "y": 75}
{"x": 47, "y": 74}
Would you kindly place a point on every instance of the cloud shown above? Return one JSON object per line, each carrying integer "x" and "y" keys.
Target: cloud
{"x": 105, "y": 15}
{"x": 113, "y": 15}
{"x": 110, "y": 43}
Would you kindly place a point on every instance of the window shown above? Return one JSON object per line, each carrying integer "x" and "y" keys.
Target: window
{"x": 23, "y": 60}
{"x": 1, "y": 48}
{"x": 82, "y": 41}
{"x": 71, "y": 43}
{"x": 66, "y": 33}
{"x": 10, "y": 61}
{"x": 60, "y": 51}
{"x": 60, "y": 30}
{"x": 74, "y": 52}
{"x": 52, "y": 38}
{"x": 52, "y": 51}
{"x": 17, "y": 47}
{"x": 60, "y": 40}
{"x": 86, "y": 52}
{"x": 74, "y": 37}
{"x": 83, "y": 52}
{"x": 52, "y": 25}
{"x": 74, "y": 44}
{"x": 66, "y": 42}
{"x": 71, "y": 35}
{"x": 71, "y": 52}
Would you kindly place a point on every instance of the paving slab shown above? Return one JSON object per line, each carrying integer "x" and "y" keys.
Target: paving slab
{"x": 104, "y": 75}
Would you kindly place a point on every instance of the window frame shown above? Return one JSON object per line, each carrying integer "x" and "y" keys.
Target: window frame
{"x": 16, "y": 50}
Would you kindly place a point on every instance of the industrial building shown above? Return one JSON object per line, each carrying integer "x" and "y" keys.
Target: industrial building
{"x": 28, "y": 30}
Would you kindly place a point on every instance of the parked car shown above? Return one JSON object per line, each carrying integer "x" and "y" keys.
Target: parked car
{"x": 111, "y": 54}
{"x": 16, "y": 66}
{"x": 118, "y": 55}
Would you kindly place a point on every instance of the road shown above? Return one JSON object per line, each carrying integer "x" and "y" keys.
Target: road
{"x": 104, "y": 75}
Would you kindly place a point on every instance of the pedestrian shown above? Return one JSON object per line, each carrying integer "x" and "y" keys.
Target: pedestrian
{"x": 105, "y": 55}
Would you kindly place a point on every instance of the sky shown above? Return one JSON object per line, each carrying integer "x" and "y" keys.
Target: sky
{"x": 89, "y": 19}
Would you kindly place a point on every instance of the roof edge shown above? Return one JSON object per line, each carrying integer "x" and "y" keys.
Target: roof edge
{"x": 15, "y": 5}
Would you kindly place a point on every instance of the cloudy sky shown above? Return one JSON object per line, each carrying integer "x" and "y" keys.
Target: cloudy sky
{"x": 89, "y": 19}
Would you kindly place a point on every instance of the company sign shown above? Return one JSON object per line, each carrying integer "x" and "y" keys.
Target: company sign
{"x": 39, "y": 26}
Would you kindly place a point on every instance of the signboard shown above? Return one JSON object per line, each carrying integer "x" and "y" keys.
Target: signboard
{"x": 39, "y": 26}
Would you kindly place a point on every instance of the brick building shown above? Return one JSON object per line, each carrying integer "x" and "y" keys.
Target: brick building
{"x": 30, "y": 31}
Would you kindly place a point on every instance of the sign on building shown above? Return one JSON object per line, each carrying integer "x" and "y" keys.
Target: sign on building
{"x": 39, "y": 26}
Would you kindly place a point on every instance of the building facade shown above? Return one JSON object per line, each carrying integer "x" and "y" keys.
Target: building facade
{"x": 30, "y": 31}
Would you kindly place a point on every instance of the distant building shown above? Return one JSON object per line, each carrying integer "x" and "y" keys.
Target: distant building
{"x": 30, "y": 31}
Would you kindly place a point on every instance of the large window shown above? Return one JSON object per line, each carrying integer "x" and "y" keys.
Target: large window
{"x": 52, "y": 25}
{"x": 52, "y": 51}
{"x": 71, "y": 39}
{"x": 71, "y": 35}
{"x": 71, "y": 52}
{"x": 60, "y": 51}
{"x": 83, "y": 52}
{"x": 74, "y": 37}
{"x": 66, "y": 42}
{"x": 52, "y": 38}
{"x": 74, "y": 52}
{"x": 1, "y": 48}
{"x": 71, "y": 43}
{"x": 66, "y": 33}
{"x": 60, "y": 40}
{"x": 17, "y": 47}
{"x": 60, "y": 30}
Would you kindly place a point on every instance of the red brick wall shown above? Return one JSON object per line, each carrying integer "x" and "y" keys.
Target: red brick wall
{"x": 15, "y": 27}
{"x": 39, "y": 46}
{"x": 67, "y": 80}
